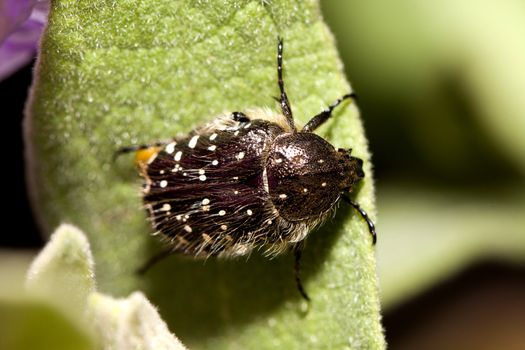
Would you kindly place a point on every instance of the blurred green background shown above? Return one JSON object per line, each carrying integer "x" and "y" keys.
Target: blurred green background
{"x": 440, "y": 89}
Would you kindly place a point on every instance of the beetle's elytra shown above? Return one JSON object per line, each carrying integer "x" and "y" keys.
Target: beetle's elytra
{"x": 246, "y": 180}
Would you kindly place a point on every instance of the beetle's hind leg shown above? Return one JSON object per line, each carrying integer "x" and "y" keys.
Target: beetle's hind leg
{"x": 153, "y": 260}
{"x": 298, "y": 252}
{"x": 364, "y": 215}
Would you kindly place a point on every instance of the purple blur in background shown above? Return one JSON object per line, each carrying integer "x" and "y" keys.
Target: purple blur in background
{"x": 21, "y": 24}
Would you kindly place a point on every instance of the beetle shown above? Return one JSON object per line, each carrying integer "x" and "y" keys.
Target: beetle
{"x": 247, "y": 180}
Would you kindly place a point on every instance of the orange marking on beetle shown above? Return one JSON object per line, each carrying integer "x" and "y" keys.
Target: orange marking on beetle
{"x": 146, "y": 156}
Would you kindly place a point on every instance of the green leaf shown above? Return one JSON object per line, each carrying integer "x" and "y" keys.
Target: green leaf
{"x": 120, "y": 73}
{"x": 28, "y": 325}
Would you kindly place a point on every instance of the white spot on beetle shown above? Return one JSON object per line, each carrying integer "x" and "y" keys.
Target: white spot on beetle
{"x": 224, "y": 227}
{"x": 278, "y": 161}
{"x": 212, "y": 148}
{"x": 202, "y": 177}
{"x": 161, "y": 172}
{"x": 178, "y": 156}
{"x": 205, "y": 201}
{"x": 236, "y": 133}
{"x": 265, "y": 181}
{"x": 163, "y": 183}
{"x": 249, "y": 212}
{"x": 282, "y": 196}
{"x": 213, "y": 136}
{"x": 247, "y": 125}
{"x": 166, "y": 207}
{"x": 170, "y": 148}
{"x": 236, "y": 178}
{"x": 323, "y": 184}
{"x": 193, "y": 141}
{"x": 222, "y": 213}
{"x": 240, "y": 155}
{"x": 187, "y": 228}
{"x": 236, "y": 192}
{"x": 153, "y": 157}
{"x": 201, "y": 171}
{"x": 215, "y": 162}
{"x": 178, "y": 217}
{"x": 320, "y": 161}
{"x": 305, "y": 190}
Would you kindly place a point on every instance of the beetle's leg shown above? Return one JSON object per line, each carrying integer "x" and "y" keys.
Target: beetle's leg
{"x": 364, "y": 215}
{"x": 240, "y": 117}
{"x": 322, "y": 117}
{"x": 298, "y": 252}
{"x": 283, "y": 101}
{"x": 154, "y": 260}
{"x": 137, "y": 148}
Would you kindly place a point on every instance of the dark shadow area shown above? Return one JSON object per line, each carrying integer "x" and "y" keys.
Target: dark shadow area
{"x": 482, "y": 307}
{"x": 23, "y": 231}
{"x": 436, "y": 138}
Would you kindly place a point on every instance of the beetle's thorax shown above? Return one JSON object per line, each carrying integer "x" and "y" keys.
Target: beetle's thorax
{"x": 306, "y": 175}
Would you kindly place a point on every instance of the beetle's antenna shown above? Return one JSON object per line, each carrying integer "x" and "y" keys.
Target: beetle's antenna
{"x": 364, "y": 215}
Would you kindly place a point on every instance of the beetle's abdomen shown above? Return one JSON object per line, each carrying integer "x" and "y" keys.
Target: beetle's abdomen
{"x": 204, "y": 193}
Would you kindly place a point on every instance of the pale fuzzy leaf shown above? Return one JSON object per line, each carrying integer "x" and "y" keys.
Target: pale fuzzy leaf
{"x": 62, "y": 273}
{"x": 131, "y": 323}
